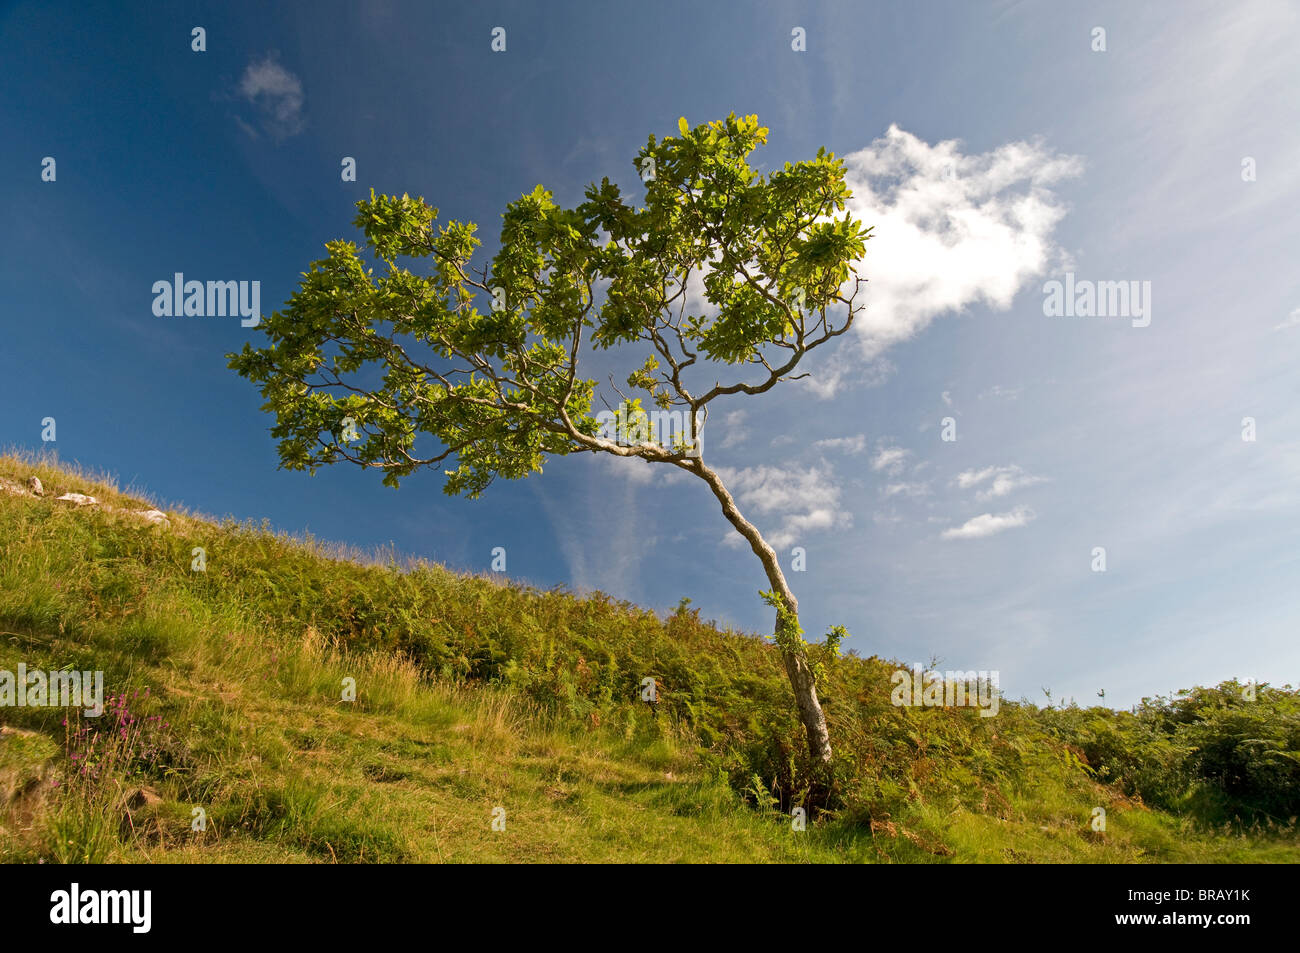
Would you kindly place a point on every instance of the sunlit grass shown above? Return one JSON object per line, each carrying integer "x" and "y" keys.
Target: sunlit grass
{"x": 470, "y": 696}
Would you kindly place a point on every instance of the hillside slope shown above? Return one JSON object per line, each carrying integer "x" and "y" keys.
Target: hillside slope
{"x": 229, "y": 737}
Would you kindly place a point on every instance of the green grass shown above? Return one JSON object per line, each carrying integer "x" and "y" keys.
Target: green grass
{"x": 473, "y": 695}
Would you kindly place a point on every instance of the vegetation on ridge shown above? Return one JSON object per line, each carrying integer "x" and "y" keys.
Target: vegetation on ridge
{"x": 472, "y": 694}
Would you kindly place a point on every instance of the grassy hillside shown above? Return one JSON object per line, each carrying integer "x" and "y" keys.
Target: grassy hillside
{"x": 473, "y": 694}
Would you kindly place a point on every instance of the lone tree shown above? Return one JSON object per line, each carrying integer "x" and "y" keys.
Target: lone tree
{"x": 359, "y": 367}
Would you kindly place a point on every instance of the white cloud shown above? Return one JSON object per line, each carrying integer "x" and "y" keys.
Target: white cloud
{"x": 1003, "y": 480}
{"x": 734, "y": 431}
{"x": 969, "y": 478}
{"x": 277, "y": 96}
{"x": 987, "y": 524}
{"x": 950, "y": 230}
{"x": 850, "y": 445}
{"x": 905, "y": 489}
{"x": 801, "y": 500}
{"x": 1291, "y": 321}
{"x": 889, "y": 459}
{"x": 997, "y": 390}
{"x": 947, "y": 398}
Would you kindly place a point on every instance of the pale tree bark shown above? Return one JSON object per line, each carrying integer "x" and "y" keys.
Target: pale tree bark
{"x": 796, "y": 662}
{"x": 799, "y": 672}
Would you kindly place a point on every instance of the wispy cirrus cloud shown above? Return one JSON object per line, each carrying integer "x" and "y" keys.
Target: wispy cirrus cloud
{"x": 1292, "y": 320}
{"x": 889, "y": 459}
{"x": 734, "y": 430}
{"x": 850, "y": 445}
{"x": 797, "y": 500}
{"x": 1006, "y": 393}
{"x": 277, "y": 97}
{"x": 988, "y": 524}
{"x": 996, "y": 481}
{"x": 905, "y": 489}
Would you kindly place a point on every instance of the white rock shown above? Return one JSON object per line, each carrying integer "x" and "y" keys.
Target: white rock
{"x": 153, "y": 516}
{"x": 34, "y": 484}
{"x": 78, "y": 499}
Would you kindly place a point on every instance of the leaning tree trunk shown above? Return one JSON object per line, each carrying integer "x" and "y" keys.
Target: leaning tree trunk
{"x": 796, "y": 662}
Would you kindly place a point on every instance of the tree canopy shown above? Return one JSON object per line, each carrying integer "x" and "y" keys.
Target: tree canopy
{"x": 486, "y": 360}
{"x": 720, "y": 270}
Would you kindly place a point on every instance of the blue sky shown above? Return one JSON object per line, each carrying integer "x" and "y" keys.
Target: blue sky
{"x": 991, "y": 146}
